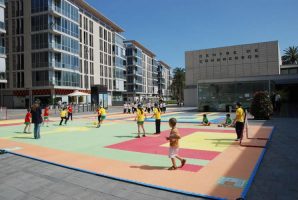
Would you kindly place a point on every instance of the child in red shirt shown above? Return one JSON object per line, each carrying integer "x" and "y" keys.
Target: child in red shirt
{"x": 69, "y": 112}
{"x": 46, "y": 116}
{"x": 27, "y": 121}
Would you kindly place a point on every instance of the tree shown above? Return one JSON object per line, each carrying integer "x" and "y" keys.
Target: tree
{"x": 178, "y": 83}
{"x": 261, "y": 105}
{"x": 290, "y": 56}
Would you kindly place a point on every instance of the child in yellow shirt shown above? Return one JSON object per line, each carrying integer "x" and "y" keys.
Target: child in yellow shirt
{"x": 140, "y": 118}
{"x": 63, "y": 115}
{"x": 101, "y": 115}
{"x": 157, "y": 116}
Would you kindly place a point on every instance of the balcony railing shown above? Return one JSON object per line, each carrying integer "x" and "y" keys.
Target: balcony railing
{"x": 2, "y": 2}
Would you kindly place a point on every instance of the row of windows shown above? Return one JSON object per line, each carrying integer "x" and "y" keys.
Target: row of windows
{"x": 227, "y": 53}
{"x": 229, "y": 58}
{"x": 17, "y": 26}
{"x": 17, "y": 8}
{"x": 105, "y": 34}
{"x": 86, "y": 24}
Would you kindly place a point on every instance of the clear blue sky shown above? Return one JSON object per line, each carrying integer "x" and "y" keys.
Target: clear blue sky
{"x": 170, "y": 27}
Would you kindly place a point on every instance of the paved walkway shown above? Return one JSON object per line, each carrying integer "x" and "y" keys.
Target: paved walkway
{"x": 22, "y": 179}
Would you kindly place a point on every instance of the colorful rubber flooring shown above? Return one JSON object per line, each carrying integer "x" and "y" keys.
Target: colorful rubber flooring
{"x": 217, "y": 167}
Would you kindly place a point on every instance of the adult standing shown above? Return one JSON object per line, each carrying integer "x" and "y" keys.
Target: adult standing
{"x": 239, "y": 121}
{"x": 277, "y": 102}
{"x": 36, "y": 119}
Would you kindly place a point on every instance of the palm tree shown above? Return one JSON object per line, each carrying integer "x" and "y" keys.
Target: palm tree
{"x": 291, "y": 55}
{"x": 178, "y": 83}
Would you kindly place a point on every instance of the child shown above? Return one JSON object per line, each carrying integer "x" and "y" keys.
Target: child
{"x": 63, "y": 114}
{"x": 46, "y": 116}
{"x": 140, "y": 117}
{"x": 174, "y": 145}
{"x": 27, "y": 121}
{"x": 125, "y": 108}
{"x": 129, "y": 108}
{"x": 101, "y": 115}
{"x": 148, "y": 107}
{"x": 156, "y": 115}
{"x": 69, "y": 112}
{"x": 164, "y": 106}
{"x": 205, "y": 121}
{"x": 228, "y": 122}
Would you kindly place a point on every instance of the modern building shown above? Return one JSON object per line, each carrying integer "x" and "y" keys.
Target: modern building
{"x": 3, "y": 80}
{"x": 142, "y": 82}
{"x": 58, "y": 46}
{"x": 164, "y": 80}
{"x": 216, "y": 78}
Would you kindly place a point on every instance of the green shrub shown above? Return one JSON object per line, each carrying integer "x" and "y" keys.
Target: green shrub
{"x": 261, "y": 106}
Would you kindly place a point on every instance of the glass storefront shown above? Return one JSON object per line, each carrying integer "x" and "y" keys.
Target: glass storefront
{"x": 220, "y": 96}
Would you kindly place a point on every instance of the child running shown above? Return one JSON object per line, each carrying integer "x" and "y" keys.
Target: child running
{"x": 228, "y": 122}
{"x": 156, "y": 115}
{"x": 174, "y": 145}
{"x": 205, "y": 121}
{"x": 63, "y": 115}
{"x": 27, "y": 121}
{"x": 101, "y": 115}
{"x": 69, "y": 112}
{"x": 46, "y": 113}
{"x": 140, "y": 117}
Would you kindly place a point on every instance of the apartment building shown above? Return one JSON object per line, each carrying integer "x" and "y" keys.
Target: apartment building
{"x": 3, "y": 80}
{"x": 218, "y": 77}
{"x": 142, "y": 82}
{"x": 164, "y": 80}
{"x": 56, "y": 47}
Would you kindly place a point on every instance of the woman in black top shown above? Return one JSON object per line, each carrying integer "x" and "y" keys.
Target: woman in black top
{"x": 36, "y": 119}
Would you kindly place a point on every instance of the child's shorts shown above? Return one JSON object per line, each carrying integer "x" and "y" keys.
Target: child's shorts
{"x": 173, "y": 151}
{"x": 45, "y": 118}
{"x": 140, "y": 122}
{"x": 27, "y": 123}
{"x": 103, "y": 117}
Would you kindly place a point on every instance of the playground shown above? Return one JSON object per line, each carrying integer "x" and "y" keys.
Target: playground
{"x": 217, "y": 166}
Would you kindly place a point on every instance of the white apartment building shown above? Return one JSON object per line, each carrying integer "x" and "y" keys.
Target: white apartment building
{"x": 3, "y": 80}
{"x": 56, "y": 47}
{"x": 141, "y": 72}
{"x": 164, "y": 80}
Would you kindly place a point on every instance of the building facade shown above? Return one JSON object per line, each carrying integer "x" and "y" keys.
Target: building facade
{"x": 56, "y": 47}
{"x": 3, "y": 80}
{"x": 216, "y": 78}
{"x": 142, "y": 81}
{"x": 164, "y": 80}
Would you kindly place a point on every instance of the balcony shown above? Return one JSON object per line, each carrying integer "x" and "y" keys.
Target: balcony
{"x": 2, "y": 26}
{"x": 2, "y": 50}
{"x": 2, "y": 3}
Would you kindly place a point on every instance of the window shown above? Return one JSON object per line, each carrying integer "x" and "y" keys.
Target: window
{"x": 242, "y": 57}
{"x": 206, "y": 60}
{"x": 236, "y": 57}
{"x": 256, "y": 50}
{"x": 249, "y": 56}
{"x": 218, "y": 59}
{"x": 248, "y": 51}
{"x": 227, "y": 53}
{"x": 224, "y": 59}
{"x": 212, "y": 60}
{"x": 230, "y": 58}
{"x": 235, "y": 52}
{"x": 220, "y": 53}
{"x": 200, "y": 56}
{"x": 214, "y": 54}
{"x": 256, "y": 56}
{"x": 201, "y": 61}
{"x": 207, "y": 55}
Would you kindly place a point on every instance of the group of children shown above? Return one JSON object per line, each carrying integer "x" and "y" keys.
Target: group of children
{"x": 227, "y": 123}
{"x": 65, "y": 114}
{"x": 149, "y": 107}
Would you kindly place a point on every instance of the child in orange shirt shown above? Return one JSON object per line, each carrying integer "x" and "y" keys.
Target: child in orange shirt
{"x": 27, "y": 121}
{"x": 46, "y": 116}
{"x": 174, "y": 145}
